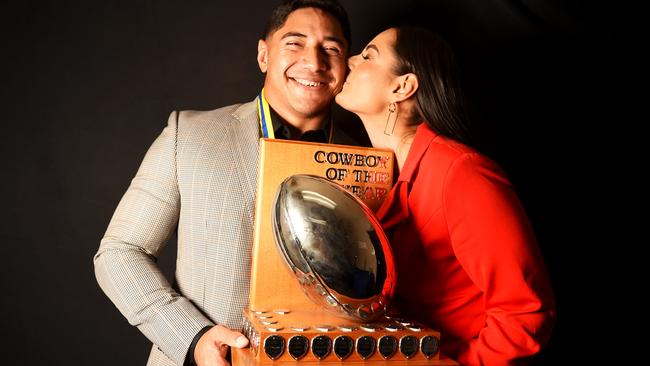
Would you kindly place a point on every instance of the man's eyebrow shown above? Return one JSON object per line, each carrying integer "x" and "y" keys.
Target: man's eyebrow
{"x": 372, "y": 46}
{"x": 335, "y": 39}
{"x": 293, "y": 34}
{"x": 328, "y": 38}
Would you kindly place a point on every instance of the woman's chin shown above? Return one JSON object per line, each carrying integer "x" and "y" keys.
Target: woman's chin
{"x": 343, "y": 101}
{"x": 340, "y": 100}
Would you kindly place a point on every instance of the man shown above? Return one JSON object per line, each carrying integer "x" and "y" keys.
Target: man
{"x": 200, "y": 177}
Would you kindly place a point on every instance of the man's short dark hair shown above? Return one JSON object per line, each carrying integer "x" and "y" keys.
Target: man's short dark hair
{"x": 332, "y": 7}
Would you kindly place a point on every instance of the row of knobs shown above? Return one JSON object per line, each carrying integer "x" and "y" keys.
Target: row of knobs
{"x": 343, "y": 346}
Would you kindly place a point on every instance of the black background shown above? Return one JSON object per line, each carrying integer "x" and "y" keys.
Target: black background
{"x": 87, "y": 86}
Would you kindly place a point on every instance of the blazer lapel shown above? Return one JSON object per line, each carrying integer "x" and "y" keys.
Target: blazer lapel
{"x": 246, "y": 132}
{"x": 396, "y": 209}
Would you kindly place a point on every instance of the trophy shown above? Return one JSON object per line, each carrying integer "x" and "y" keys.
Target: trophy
{"x": 322, "y": 268}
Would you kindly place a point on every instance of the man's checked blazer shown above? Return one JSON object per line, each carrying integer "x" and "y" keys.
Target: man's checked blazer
{"x": 199, "y": 177}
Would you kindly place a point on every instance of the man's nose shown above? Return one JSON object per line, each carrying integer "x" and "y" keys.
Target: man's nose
{"x": 314, "y": 58}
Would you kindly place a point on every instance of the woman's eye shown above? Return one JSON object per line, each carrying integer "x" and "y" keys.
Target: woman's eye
{"x": 365, "y": 57}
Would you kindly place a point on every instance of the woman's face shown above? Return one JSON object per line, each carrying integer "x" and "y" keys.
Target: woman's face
{"x": 370, "y": 83}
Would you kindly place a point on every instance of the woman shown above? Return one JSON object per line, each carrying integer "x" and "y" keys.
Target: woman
{"x": 466, "y": 256}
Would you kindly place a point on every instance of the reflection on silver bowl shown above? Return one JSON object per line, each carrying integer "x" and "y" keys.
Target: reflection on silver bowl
{"x": 335, "y": 246}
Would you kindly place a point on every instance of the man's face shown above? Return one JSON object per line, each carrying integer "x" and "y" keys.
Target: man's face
{"x": 305, "y": 64}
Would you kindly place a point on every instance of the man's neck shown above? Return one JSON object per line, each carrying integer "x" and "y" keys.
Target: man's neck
{"x": 295, "y": 121}
{"x": 302, "y": 125}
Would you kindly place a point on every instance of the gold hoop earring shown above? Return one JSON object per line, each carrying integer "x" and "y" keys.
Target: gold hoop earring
{"x": 390, "y": 122}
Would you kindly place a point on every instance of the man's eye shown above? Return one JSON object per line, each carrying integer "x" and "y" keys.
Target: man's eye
{"x": 332, "y": 50}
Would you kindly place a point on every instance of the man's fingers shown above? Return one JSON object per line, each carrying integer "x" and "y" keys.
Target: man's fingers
{"x": 231, "y": 337}
{"x": 212, "y": 347}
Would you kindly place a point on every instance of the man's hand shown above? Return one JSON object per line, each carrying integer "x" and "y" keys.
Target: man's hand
{"x": 212, "y": 347}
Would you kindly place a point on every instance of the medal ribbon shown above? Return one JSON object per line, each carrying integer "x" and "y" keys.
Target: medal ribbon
{"x": 264, "y": 112}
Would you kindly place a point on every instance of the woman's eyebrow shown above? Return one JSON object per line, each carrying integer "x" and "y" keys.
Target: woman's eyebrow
{"x": 372, "y": 46}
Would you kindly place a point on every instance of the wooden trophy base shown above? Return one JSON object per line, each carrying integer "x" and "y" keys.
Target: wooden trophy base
{"x": 285, "y": 336}
{"x": 245, "y": 357}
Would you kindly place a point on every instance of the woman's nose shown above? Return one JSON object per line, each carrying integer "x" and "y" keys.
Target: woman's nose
{"x": 352, "y": 61}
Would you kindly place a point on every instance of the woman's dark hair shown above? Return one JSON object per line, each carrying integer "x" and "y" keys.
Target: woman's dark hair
{"x": 439, "y": 100}
{"x": 332, "y": 7}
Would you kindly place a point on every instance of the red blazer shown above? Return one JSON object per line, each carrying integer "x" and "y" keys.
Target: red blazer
{"x": 467, "y": 262}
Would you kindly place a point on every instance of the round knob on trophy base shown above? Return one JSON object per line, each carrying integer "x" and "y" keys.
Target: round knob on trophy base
{"x": 408, "y": 345}
{"x": 429, "y": 346}
{"x": 343, "y": 347}
{"x": 274, "y": 346}
{"x": 365, "y": 347}
{"x": 321, "y": 346}
{"x": 387, "y": 346}
{"x": 298, "y": 346}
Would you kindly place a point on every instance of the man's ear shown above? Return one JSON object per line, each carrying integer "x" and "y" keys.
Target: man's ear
{"x": 262, "y": 55}
{"x": 406, "y": 85}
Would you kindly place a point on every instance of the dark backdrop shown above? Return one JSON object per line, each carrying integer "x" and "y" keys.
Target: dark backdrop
{"x": 87, "y": 86}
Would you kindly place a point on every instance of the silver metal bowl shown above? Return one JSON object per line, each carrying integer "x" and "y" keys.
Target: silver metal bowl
{"x": 335, "y": 246}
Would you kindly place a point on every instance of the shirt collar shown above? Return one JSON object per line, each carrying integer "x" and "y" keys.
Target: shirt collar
{"x": 281, "y": 130}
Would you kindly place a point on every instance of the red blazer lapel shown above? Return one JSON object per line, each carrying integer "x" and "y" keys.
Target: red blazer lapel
{"x": 395, "y": 209}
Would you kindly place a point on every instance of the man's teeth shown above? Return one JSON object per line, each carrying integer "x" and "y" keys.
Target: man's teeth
{"x": 308, "y": 82}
